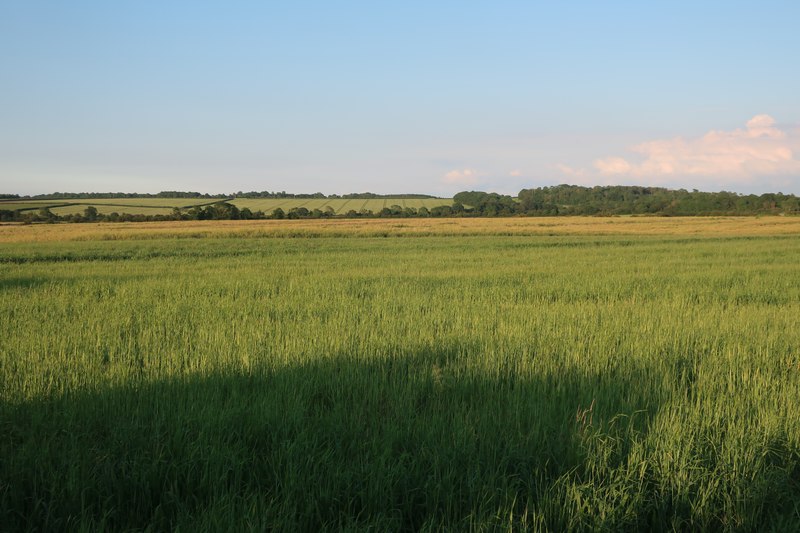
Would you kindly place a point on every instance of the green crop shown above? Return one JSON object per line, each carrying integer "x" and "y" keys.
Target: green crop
{"x": 486, "y": 382}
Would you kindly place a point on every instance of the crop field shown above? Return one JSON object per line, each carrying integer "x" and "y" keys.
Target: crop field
{"x": 545, "y": 374}
{"x": 12, "y": 205}
{"x": 107, "y": 209}
{"x": 339, "y": 205}
{"x": 149, "y": 206}
{"x": 107, "y": 205}
{"x": 439, "y": 227}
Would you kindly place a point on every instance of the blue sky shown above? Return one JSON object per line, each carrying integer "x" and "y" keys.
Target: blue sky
{"x": 431, "y": 97}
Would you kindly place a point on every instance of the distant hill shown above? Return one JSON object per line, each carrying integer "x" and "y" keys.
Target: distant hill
{"x": 106, "y": 195}
{"x": 192, "y": 194}
{"x": 558, "y": 200}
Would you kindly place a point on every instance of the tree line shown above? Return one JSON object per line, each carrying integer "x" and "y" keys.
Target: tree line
{"x": 559, "y": 200}
{"x": 193, "y": 194}
{"x": 105, "y": 195}
{"x": 564, "y": 200}
{"x": 318, "y": 195}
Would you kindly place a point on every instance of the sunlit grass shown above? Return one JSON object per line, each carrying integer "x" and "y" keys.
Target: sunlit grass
{"x": 573, "y": 382}
{"x": 399, "y": 227}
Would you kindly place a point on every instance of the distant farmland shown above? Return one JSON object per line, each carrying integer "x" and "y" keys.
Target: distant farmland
{"x": 162, "y": 206}
{"x": 144, "y": 206}
{"x": 339, "y": 205}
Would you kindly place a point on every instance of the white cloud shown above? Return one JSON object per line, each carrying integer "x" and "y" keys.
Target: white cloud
{"x": 467, "y": 176}
{"x": 760, "y": 150}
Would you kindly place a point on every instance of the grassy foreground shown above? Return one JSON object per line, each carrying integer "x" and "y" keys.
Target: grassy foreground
{"x": 463, "y": 381}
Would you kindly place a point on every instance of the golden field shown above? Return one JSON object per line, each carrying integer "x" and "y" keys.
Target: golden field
{"x": 555, "y": 226}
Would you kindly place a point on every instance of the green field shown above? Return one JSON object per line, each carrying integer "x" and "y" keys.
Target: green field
{"x": 339, "y": 205}
{"x": 163, "y": 206}
{"x": 477, "y": 382}
{"x": 104, "y": 209}
{"x": 13, "y": 205}
{"x": 108, "y": 205}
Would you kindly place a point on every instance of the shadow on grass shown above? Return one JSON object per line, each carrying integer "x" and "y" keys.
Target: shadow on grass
{"x": 407, "y": 443}
{"x": 20, "y": 283}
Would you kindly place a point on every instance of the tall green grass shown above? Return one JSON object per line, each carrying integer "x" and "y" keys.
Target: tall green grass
{"x": 401, "y": 384}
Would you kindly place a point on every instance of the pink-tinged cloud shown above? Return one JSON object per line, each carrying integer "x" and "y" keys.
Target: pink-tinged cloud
{"x": 515, "y": 173}
{"x": 612, "y": 165}
{"x": 740, "y": 156}
{"x": 467, "y": 176}
{"x": 572, "y": 172}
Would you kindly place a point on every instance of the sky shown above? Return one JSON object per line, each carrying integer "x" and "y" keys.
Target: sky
{"x": 398, "y": 97}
